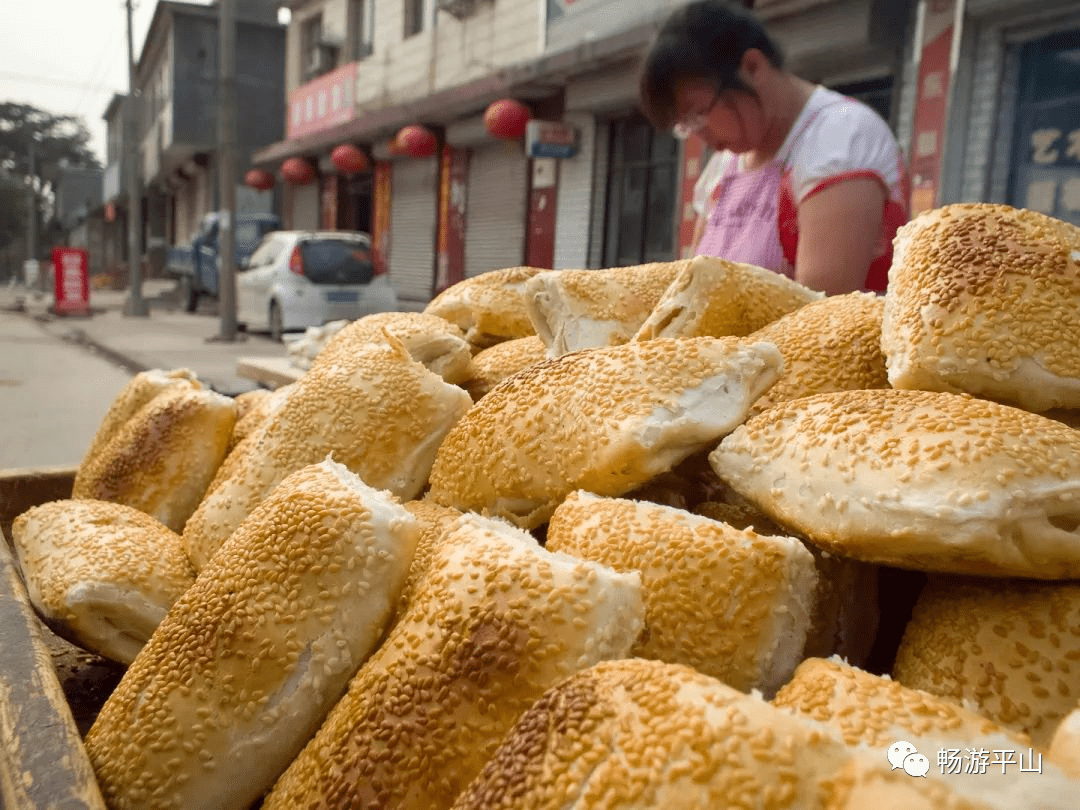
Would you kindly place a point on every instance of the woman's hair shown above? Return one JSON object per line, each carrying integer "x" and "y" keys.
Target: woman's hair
{"x": 702, "y": 40}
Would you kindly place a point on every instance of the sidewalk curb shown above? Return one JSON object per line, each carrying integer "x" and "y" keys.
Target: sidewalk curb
{"x": 80, "y": 338}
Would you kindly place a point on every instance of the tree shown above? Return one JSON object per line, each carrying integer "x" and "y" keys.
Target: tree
{"x": 59, "y": 140}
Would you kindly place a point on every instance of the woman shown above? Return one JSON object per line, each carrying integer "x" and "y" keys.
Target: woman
{"x": 806, "y": 182}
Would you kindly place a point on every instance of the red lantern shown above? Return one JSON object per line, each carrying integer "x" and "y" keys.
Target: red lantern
{"x": 298, "y": 171}
{"x": 349, "y": 160}
{"x": 506, "y": 119}
{"x": 416, "y": 141}
{"x": 259, "y": 179}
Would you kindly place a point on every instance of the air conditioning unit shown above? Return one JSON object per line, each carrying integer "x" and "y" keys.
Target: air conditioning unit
{"x": 458, "y": 9}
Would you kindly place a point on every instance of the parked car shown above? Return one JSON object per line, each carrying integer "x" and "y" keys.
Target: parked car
{"x": 196, "y": 265}
{"x": 297, "y": 279}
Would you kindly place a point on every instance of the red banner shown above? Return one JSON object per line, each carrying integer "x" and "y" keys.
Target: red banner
{"x": 322, "y": 103}
{"x": 931, "y": 102}
{"x": 540, "y": 242}
{"x": 72, "y": 281}
{"x": 453, "y": 175}
{"x": 380, "y": 225}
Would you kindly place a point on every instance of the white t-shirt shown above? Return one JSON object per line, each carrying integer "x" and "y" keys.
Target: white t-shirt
{"x": 845, "y": 140}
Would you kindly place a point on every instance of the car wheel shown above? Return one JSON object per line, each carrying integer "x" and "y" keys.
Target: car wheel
{"x": 189, "y": 296}
{"x": 276, "y": 327}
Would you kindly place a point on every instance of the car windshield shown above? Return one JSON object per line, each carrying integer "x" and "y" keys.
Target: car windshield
{"x": 336, "y": 261}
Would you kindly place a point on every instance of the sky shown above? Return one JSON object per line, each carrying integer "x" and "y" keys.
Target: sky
{"x": 69, "y": 56}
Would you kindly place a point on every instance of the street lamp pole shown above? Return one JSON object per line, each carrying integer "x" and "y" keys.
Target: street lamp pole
{"x": 136, "y": 306}
{"x": 226, "y": 161}
{"x": 31, "y": 214}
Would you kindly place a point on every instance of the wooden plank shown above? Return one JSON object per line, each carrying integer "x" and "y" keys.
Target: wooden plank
{"x": 22, "y": 488}
{"x": 273, "y": 372}
{"x": 43, "y": 763}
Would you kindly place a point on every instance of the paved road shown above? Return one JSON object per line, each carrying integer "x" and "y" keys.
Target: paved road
{"x": 59, "y": 375}
{"x": 53, "y": 395}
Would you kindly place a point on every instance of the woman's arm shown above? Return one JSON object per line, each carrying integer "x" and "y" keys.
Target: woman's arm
{"x": 839, "y": 235}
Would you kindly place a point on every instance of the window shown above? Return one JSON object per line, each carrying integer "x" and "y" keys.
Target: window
{"x": 1046, "y": 146}
{"x": 414, "y": 17}
{"x": 311, "y": 51}
{"x": 361, "y": 28}
{"x": 641, "y": 194}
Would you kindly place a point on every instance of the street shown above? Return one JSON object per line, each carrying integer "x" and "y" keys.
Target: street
{"x": 53, "y": 395}
{"x": 58, "y": 376}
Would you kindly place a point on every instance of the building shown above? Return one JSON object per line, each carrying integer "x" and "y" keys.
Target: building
{"x": 177, "y": 76}
{"x": 1002, "y": 122}
{"x": 114, "y": 198}
{"x": 999, "y": 127}
{"x": 78, "y": 212}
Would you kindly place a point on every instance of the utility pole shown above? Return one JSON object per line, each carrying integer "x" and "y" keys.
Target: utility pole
{"x": 226, "y": 165}
{"x": 136, "y": 306}
{"x": 31, "y": 214}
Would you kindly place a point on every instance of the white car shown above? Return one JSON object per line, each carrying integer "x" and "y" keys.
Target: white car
{"x": 297, "y": 279}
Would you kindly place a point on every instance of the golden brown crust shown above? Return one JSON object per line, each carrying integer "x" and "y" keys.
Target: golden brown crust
{"x": 139, "y": 390}
{"x": 377, "y": 411}
{"x": 163, "y": 458}
{"x": 712, "y": 297}
{"x": 1010, "y": 649}
{"x": 640, "y": 735}
{"x": 637, "y": 734}
{"x": 497, "y": 622}
{"x": 247, "y": 663}
{"x": 431, "y": 340}
{"x": 102, "y": 575}
{"x": 489, "y": 308}
{"x": 876, "y": 712}
{"x": 252, "y": 409}
{"x": 492, "y": 365}
{"x": 982, "y": 298}
{"x": 730, "y": 603}
{"x": 604, "y": 420}
{"x": 829, "y": 345}
{"x": 250, "y": 400}
{"x": 584, "y": 309}
{"x": 934, "y": 481}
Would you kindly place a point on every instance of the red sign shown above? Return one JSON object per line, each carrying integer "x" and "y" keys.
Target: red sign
{"x": 323, "y": 102}
{"x": 931, "y": 102}
{"x": 453, "y": 174}
{"x": 540, "y": 241}
{"x": 72, "y": 291}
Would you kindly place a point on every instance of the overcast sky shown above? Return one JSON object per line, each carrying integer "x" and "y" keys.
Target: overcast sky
{"x": 70, "y": 56}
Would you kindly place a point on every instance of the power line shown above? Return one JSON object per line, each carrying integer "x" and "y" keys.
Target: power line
{"x": 30, "y": 77}
{"x": 96, "y": 79}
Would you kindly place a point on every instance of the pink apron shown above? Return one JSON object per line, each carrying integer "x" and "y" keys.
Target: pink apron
{"x": 743, "y": 224}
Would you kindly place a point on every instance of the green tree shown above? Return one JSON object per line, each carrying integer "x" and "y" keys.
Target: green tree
{"x": 58, "y": 140}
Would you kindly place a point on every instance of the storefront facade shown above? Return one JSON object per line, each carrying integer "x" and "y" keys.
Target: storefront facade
{"x": 1013, "y": 119}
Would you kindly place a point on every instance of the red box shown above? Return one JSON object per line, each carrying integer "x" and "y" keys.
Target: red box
{"x": 72, "y": 279}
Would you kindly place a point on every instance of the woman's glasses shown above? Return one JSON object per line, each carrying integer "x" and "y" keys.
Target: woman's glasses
{"x": 695, "y": 122}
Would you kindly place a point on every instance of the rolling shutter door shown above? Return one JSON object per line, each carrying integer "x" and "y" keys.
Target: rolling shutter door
{"x": 306, "y": 207}
{"x": 496, "y": 208}
{"x": 575, "y": 199}
{"x": 412, "y": 228}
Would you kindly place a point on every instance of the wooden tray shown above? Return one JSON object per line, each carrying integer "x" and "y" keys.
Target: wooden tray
{"x": 42, "y": 760}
